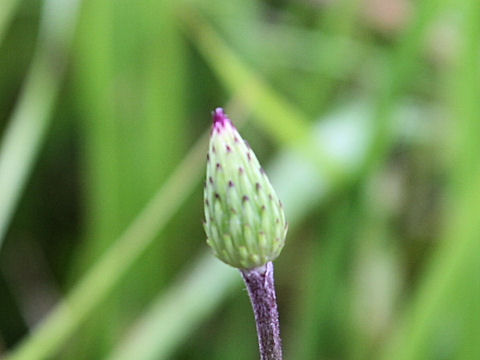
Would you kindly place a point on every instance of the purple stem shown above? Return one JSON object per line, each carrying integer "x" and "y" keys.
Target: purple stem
{"x": 261, "y": 289}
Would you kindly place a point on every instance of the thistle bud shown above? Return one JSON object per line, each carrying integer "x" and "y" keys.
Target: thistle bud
{"x": 244, "y": 219}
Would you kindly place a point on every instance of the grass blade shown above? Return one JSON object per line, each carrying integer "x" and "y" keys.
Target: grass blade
{"x": 105, "y": 274}
{"x": 284, "y": 122}
{"x": 450, "y": 288}
{"x": 7, "y": 10}
{"x": 31, "y": 117}
{"x": 193, "y": 297}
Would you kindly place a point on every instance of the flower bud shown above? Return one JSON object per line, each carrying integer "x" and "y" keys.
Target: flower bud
{"x": 244, "y": 219}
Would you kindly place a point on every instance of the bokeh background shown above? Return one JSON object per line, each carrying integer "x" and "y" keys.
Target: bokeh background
{"x": 365, "y": 114}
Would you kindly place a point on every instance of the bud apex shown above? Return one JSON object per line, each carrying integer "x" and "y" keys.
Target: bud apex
{"x": 244, "y": 220}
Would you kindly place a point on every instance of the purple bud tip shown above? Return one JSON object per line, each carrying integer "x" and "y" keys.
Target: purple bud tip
{"x": 219, "y": 119}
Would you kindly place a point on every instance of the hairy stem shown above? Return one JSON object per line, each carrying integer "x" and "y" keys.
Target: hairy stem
{"x": 261, "y": 289}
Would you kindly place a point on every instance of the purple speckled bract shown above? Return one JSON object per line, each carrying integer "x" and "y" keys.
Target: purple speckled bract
{"x": 220, "y": 120}
{"x": 261, "y": 288}
{"x": 244, "y": 223}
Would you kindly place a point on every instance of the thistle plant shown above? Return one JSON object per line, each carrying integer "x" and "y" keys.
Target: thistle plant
{"x": 245, "y": 224}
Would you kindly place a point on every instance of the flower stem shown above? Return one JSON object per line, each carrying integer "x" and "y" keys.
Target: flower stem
{"x": 261, "y": 289}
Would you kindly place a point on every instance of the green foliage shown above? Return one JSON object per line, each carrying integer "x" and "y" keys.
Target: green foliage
{"x": 366, "y": 114}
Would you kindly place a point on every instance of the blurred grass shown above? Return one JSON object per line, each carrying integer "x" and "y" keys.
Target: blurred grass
{"x": 31, "y": 117}
{"x": 284, "y": 122}
{"x": 134, "y": 136}
{"x": 102, "y": 277}
{"x": 366, "y": 114}
{"x": 7, "y": 11}
{"x": 448, "y": 289}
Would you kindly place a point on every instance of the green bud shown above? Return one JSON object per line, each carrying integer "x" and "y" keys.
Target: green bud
{"x": 244, "y": 219}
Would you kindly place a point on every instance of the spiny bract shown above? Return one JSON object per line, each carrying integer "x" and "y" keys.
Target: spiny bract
{"x": 244, "y": 219}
